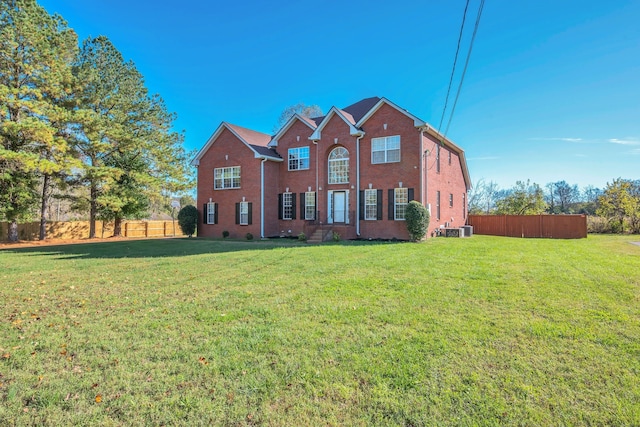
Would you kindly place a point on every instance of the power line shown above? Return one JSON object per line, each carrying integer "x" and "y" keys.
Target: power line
{"x": 455, "y": 60}
{"x": 466, "y": 64}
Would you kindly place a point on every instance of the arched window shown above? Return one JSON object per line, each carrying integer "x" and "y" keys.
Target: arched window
{"x": 339, "y": 166}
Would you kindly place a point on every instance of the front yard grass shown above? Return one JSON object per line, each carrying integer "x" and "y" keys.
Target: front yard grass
{"x": 479, "y": 331}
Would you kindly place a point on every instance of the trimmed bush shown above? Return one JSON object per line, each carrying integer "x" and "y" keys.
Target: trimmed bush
{"x": 249, "y": 236}
{"x": 302, "y": 237}
{"x": 417, "y": 219}
{"x": 188, "y": 220}
{"x": 225, "y": 234}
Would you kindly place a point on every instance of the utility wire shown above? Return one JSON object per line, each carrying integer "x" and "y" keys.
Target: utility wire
{"x": 453, "y": 70}
{"x": 464, "y": 71}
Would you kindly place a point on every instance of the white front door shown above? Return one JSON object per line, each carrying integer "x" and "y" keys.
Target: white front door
{"x": 339, "y": 206}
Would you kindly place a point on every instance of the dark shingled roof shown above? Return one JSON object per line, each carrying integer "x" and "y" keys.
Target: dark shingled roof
{"x": 360, "y": 108}
{"x": 265, "y": 151}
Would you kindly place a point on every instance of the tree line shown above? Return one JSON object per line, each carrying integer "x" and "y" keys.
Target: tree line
{"x": 617, "y": 205}
{"x": 78, "y": 118}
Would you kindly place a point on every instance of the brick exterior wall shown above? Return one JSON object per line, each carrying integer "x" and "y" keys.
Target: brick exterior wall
{"x": 448, "y": 181}
{"x": 417, "y": 172}
{"x": 228, "y": 151}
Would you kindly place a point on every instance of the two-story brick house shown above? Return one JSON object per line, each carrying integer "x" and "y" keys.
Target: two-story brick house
{"x": 351, "y": 172}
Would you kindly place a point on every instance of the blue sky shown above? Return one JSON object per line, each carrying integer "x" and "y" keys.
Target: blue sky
{"x": 552, "y": 91}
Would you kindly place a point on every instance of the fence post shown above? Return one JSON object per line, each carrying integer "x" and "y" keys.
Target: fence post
{"x": 146, "y": 229}
{"x": 126, "y": 229}
{"x": 164, "y": 228}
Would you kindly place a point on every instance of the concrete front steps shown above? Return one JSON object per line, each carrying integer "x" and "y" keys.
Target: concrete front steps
{"x": 319, "y": 236}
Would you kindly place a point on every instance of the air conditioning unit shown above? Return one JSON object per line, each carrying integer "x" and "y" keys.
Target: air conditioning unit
{"x": 453, "y": 232}
{"x": 468, "y": 230}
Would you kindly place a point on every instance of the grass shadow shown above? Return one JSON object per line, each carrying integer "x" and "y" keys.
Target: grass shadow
{"x": 159, "y": 248}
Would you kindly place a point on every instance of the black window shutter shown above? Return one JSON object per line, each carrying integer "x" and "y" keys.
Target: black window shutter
{"x": 250, "y": 213}
{"x": 390, "y": 205}
{"x": 293, "y": 205}
{"x": 237, "y": 213}
{"x": 280, "y": 206}
{"x": 361, "y": 204}
{"x": 204, "y": 213}
{"x": 379, "y": 205}
{"x": 303, "y": 204}
{"x": 410, "y": 194}
{"x": 215, "y": 213}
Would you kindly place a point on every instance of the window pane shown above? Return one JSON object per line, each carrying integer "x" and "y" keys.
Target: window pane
{"x": 401, "y": 200}
{"x": 339, "y": 166}
{"x": 378, "y": 157}
{"x": 393, "y": 155}
{"x": 287, "y": 207}
{"x": 370, "y": 204}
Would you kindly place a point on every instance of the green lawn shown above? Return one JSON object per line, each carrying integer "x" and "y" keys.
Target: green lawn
{"x": 479, "y": 331}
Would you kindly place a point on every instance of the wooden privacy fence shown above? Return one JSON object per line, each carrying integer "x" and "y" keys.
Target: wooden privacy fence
{"x": 549, "y": 226}
{"x": 80, "y": 229}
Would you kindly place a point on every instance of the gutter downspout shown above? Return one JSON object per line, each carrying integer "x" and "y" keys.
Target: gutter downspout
{"x": 423, "y": 199}
{"x": 358, "y": 184}
{"x": 423, "y": 165}
{"x": 317, "y": 212}
{"x": 264, "y": 159}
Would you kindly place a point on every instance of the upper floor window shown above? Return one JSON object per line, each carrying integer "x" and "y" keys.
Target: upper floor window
{"x": 298, "y": 158}
{"x": 438, "y": 158}
{"x": 339, "y": 166}
{"x": 385, "y": 150}
{"x": 224, "y": 178}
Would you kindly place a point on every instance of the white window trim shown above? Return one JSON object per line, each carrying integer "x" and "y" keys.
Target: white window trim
{"x": 287, "y": 197}
{"x": 211, "y": 213}
{"x": 244, "y": 211}
{"x": 331, "y": 162}
{"x": 298, "y": 158}
{"x": 386, "y": 140}
{"x": 396, "y": 204}
{"x": 375, "y": 205}
{"x": 309, "y": 196}
{"x": 225, "y": 171}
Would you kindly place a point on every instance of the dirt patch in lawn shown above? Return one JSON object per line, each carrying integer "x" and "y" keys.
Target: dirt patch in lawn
{"x": 57, "y": 242}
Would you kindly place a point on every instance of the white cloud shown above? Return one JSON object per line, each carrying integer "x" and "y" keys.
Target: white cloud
{"x": 625, "y": 141}
{"x": 635, "y": 151}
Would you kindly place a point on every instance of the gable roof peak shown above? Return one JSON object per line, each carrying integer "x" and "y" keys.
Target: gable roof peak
{"x": 306, "y": 120}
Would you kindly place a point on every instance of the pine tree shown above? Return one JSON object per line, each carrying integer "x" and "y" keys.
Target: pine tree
{"x": 35, "y": 49}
